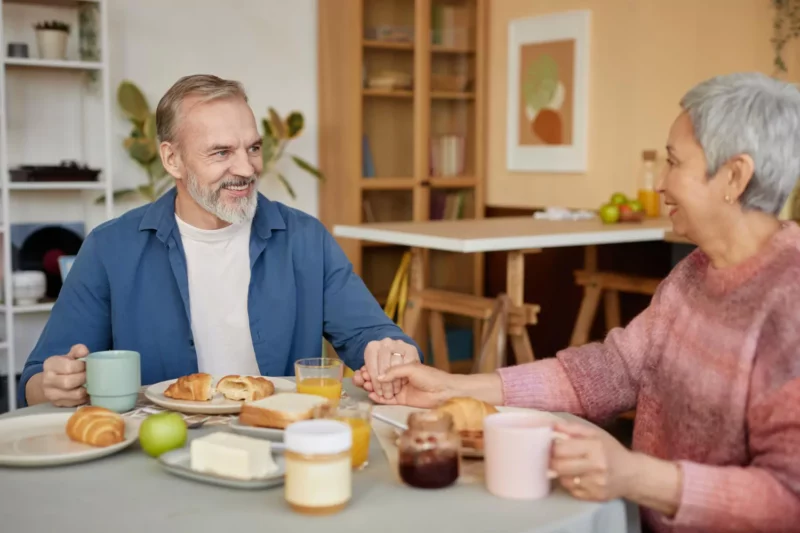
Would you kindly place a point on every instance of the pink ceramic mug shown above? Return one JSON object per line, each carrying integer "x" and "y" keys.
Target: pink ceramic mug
{"x": 516, "y": 454}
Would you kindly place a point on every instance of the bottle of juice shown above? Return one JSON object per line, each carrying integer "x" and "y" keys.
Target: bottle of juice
{"x": 648, "y": 195}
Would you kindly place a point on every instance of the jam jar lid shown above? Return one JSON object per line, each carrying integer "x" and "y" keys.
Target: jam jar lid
{"x": 311, "y": 437}
{"x": 433, "y": 420}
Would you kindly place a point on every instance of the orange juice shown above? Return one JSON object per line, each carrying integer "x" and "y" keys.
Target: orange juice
{"x": 651, "y": 201}
{"x": 361, "y": 430}
{"x": 330, "y": 388}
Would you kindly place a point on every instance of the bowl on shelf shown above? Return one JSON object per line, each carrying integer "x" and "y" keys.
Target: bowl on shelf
{"x": 29, "y": 286}
{"x": 449, "y": 82}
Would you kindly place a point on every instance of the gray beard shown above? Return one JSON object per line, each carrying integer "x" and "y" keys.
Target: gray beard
{"x": 241, "y": 210}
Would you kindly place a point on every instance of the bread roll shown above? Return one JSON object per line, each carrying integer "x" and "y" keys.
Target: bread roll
{"x": 96, "y": 426}
{"x": 246, "y": 388}
{"x": 468, "y": 415}
{"x": 280, "y": 410}
{"x": 194, "y": 387}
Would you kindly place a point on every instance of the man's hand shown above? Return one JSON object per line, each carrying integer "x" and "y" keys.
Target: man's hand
{"x": 63, "y": 378}
{"x": 381, "y": 355}
{"x": 424, "y": 386}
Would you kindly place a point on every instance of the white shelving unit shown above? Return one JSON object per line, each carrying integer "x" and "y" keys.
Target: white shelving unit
{"x": 60, "y": 197}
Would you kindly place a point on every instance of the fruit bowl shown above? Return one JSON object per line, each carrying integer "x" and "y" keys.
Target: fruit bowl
{"x": 621, "y": 209}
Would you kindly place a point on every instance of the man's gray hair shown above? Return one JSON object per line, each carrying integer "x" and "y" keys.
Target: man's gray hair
{"x": 753, "y": 114}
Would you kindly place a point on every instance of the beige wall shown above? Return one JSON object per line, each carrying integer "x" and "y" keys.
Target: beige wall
{"x": 644, "y": 54}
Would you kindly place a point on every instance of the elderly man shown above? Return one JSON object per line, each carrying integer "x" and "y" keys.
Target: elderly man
{"x": 212, "y": 277}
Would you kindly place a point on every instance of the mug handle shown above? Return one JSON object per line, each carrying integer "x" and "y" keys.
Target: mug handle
{"x": 84, "y": 362}
{"x": 557, "y": 435}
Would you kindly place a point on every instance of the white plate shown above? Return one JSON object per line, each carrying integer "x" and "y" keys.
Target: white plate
{"x": 41, "y": 440}
{"x": 178, "y": 462}
{"x": 217, "y": 405}
{"x": 253, "y": 431}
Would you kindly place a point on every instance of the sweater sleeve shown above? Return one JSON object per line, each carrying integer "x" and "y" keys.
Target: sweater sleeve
{"x": 595, "y": 381}
{"x": 763, "y": 496}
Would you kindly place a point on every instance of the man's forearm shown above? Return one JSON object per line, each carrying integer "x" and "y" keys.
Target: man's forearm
{"x": 34, "y": 391}
{"x": 486, "y": 387}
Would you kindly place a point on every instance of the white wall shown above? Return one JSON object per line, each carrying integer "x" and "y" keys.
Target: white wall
{"x": 268, "y": 45}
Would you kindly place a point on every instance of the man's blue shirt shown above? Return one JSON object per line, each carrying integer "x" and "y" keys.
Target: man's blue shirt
{"x": 128, "y": 290}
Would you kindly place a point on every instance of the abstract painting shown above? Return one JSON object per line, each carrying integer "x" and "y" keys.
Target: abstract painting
{"x": 548, "y": 71}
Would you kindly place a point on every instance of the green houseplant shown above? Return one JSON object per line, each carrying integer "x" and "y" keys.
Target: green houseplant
{"x": 142, "y": 145}
{"x": 785, "y": 28}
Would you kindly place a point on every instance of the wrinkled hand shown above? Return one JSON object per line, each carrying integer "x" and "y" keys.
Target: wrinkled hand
{"x": 591, "y": 464}
{"x": 381, "y": 355}
{"x": 63, "y": 378}
{"x": 423, "y": 386}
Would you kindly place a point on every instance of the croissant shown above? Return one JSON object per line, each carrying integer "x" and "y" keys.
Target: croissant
{"x": 468, "y": 415}
{"x": 245, "y": 388}
{"x": 195, "y": 387}
{"x": 96, "y": 426}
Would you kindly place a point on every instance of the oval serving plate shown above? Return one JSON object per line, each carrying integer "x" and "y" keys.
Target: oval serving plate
{"x": 178, "y": 462}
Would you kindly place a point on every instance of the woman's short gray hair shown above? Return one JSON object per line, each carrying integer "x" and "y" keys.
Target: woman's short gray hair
{"x": 750, "y": 113}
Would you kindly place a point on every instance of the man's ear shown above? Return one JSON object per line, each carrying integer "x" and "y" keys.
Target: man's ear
{"x": 171, "y": 159}
{"x": 742, "y": 167}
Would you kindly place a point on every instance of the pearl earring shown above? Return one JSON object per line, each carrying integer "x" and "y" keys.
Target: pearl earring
{"x": 727, "y": 198}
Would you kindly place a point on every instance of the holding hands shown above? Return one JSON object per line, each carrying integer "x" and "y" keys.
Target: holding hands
{"x": 379, "y": 356}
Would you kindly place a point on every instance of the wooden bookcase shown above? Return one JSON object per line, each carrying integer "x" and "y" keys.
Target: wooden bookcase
{"x": 402, "y": 121}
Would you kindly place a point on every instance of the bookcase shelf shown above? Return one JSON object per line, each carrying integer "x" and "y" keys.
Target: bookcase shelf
{"x": 403, "y": 129}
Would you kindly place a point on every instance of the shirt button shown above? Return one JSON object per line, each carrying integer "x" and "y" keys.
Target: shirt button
{"x": 191, "y": 343}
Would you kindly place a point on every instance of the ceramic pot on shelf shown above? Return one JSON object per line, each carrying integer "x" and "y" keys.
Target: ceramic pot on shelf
{"x": 52, "y": 44}
{"x": 29, "y": 286}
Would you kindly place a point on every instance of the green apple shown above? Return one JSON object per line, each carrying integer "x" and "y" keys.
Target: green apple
{"x": 162, "y": 432}
{"x": 636, "y": 206}
{"x": 609, "y": 213}
{"x": 618, "y": 198}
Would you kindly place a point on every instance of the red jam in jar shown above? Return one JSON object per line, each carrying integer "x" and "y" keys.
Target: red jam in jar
{"x": 429, "y": 451}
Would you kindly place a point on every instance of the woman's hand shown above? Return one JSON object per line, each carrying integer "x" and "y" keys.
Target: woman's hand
{"x": 591, "y": 464}
{"x": 422, "y": 385}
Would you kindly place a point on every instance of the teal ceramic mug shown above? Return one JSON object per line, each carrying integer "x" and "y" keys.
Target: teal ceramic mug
{"x": 113, "y": 379}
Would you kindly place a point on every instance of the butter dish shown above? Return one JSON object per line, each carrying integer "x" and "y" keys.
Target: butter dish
{"x": 178, "y": 462}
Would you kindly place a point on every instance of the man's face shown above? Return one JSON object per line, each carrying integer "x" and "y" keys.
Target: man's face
{"x": 220, "y": 155}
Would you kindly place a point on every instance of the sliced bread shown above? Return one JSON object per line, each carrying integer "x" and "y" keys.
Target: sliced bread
{"x": 280, "y": 410}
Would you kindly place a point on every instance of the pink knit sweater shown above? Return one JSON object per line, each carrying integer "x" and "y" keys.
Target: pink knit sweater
{"x": 712, "y": 367}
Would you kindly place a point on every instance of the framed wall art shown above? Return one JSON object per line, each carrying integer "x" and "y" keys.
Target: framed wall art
{"x": 548, "y": 93}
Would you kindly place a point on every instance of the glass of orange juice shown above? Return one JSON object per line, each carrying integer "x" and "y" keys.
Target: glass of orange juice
{"x": 357, "y": 415}
{"x": 320, "y": 376}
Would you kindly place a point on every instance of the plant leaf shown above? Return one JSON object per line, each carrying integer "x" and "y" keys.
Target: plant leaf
{"x": 118, "y": 194}
{"x": 294, "y": 123}
{"x": 286, "y": 184}
{"x": 267, "y": 128}
{"x": 277, "y": 124}
{"x": 157, "y": 169}
{"x": 149, "y": 128}
{"x": 268, "y": 151}
{"x": 147, "y": 191}
{"x": 132, "y": 102}
{"x": 142, "y": 150}
{"x": 305, "y": 165}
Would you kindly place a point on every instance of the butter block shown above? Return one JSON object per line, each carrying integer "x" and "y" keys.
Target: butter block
{"x": 231, "y": 455}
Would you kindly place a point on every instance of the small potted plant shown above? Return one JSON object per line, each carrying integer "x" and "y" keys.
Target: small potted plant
{"x": 51, "y": 38}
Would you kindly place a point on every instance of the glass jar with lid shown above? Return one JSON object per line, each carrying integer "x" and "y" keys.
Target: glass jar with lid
{"x": 318, "y": 477}
{"x": 429, "y": 451}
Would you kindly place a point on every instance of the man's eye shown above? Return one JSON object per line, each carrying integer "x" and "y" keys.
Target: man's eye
{"x": 221, "y": 153}
{"x": 255, "y": 149}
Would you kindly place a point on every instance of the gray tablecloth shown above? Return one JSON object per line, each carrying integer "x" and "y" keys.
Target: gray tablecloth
{"x": 129, "y": 492}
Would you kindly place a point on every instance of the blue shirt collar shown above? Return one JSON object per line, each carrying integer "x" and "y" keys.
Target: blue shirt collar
{"x": 160, "y": 216}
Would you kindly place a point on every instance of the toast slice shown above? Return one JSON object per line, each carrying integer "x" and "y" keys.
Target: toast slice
{"x": 280, "y": 410}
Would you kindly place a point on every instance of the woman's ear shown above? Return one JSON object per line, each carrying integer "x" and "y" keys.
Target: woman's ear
{"x": 742, "y": 168}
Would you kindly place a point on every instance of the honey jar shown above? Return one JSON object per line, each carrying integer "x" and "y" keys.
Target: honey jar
{"x": 318, "y": 466}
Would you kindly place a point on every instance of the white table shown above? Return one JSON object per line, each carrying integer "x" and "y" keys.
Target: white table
{"x": 515, "y": 235}
{"x": 130, "y": 493}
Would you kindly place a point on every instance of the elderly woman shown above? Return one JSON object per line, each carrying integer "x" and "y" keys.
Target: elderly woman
{"x": 713, "y": 364}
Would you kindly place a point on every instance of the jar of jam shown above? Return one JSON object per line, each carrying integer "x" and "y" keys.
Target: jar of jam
{"x": 429, "y": 451}
{"x": 318, "y": 477}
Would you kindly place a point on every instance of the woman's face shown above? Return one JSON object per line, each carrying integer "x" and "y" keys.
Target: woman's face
{"x": 693, "y": 200}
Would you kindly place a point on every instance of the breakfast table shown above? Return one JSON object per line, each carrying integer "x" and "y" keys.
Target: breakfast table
{"x": 131, "y": 492}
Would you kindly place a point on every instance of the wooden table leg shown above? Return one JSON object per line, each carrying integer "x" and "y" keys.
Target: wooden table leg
{"x": 441, "y": 356}
{"x": 413, "y": 313}
{"x": 590, "y": 302}
{"x": 515, "y": 288}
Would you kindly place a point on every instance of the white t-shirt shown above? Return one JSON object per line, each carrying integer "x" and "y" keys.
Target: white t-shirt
{"x": 218, "y": 267}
